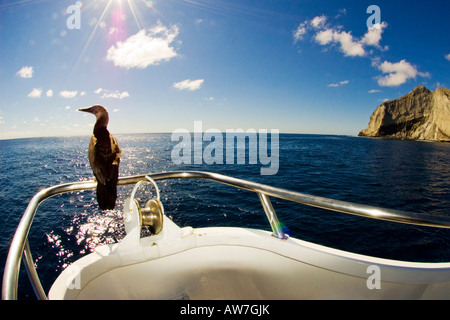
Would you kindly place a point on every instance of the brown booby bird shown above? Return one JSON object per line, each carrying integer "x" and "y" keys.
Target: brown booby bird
{"x": 104, "y": 157}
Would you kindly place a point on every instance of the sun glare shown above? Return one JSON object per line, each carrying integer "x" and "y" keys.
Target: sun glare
{"x": 113, "y": 18}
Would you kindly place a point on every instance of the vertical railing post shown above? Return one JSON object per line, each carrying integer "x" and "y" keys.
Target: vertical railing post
{"x": 272, "y": 216}
{"x": 32, "y": 274}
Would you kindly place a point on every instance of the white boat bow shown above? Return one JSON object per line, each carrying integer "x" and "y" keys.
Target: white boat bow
{"x": 227, "y": 262}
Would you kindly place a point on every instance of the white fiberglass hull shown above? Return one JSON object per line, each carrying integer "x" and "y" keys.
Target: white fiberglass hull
{"x": 237, "y": 263}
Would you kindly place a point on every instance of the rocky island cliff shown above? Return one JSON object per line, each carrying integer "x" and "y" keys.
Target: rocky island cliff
{"x": 419, "y": 115}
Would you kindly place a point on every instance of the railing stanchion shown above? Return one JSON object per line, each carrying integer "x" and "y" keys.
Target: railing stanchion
{"x": 32, "y": 274}
{"x": 271, "y": 216}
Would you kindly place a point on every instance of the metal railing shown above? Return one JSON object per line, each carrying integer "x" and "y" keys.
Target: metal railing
{"x": 20, "y": 247}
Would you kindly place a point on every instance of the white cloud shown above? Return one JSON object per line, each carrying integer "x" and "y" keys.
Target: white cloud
{"x": 300, "y": 31}
{"x": 319, "y": 22}
{"x": 25, "y": 72}
{"x": 112, "y": 94}
{"x": 340, "y": 83}
{"x": 115, "y": 94}
{"x": 83, "y": 93}
{"x": 324, "y": 37}
{"x": 373, "y": 35}
{"x": 189, "y": 84}
{"x": 50, "y": 93}
{"x": 447, "y": 57}
{"x": 351, "y": 46}
{"x": 424, "y": 74}
{"x": 145, "y": 48}
{"x": 398, "y": 73}
{"x": 374, "y": 91}
{"x": 1, "y": 120}
{"x": 35, "y": 93}
{"x": 68, "y": 94}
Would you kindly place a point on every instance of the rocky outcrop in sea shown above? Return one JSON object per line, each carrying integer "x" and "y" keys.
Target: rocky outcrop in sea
{"x": 420, "y": 115}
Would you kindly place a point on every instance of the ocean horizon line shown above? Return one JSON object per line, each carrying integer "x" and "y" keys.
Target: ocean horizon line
{"x": 137, "y": 133}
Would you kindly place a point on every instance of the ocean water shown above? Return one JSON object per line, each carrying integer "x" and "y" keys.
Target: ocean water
{"x": 405, "y": 175}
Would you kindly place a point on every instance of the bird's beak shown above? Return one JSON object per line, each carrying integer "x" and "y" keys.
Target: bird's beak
{"x": 86, "y": 109}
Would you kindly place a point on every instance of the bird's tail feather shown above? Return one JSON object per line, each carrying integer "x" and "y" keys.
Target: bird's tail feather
{"x": 107, "y": 195}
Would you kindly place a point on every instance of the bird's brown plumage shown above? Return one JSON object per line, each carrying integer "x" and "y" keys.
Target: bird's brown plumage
{"x": 104, "y": 157}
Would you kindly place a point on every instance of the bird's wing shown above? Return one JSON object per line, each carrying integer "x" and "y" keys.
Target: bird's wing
{"x": 115, "y": 150}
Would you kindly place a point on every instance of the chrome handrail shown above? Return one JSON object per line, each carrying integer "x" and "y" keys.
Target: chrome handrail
{"x": 19, "y": 244}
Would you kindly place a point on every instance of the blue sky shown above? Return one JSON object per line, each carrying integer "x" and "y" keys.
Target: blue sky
{"x": 297, "y": 66}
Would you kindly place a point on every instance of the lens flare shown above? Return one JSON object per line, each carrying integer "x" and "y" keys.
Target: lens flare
{"x": 285, "y": 229}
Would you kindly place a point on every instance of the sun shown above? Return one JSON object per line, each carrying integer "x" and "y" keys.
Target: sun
{"x": 110, "y": 8}
{"x": 114, "y": 16}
